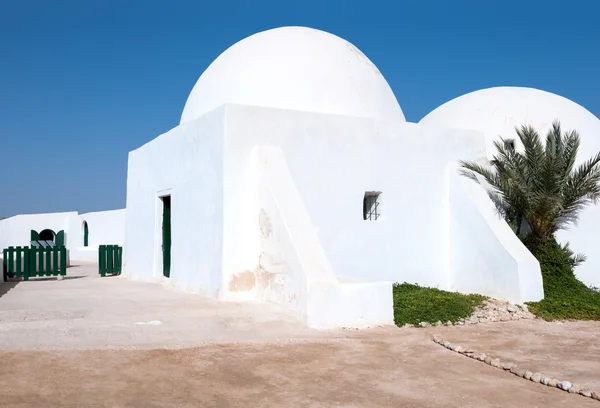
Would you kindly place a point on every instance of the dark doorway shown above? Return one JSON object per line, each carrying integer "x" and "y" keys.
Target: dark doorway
{"x": 166, "y": 236}
{"x": 86, "y": 233}
{"x": 47, "y": 235}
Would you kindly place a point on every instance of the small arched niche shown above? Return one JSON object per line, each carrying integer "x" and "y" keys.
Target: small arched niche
{"x": 47, "y": 235}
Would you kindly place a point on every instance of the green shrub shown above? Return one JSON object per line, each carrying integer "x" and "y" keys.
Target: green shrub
{"x": 414, "y": 304}
{"x": 565, "y": 297}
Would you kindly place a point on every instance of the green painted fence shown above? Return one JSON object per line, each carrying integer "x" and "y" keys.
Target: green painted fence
{"x": 31, "y": 262}
{"x": 110, "y": 259}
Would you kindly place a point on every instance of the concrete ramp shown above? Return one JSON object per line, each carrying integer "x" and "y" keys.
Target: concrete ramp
{"x": 293, "y": 268}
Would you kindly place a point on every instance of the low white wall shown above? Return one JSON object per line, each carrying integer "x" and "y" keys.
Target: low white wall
{"x": 486, "y": 256}
{"x": 16, "y": 231}
{"x": 104, "y": 227}
{"x": 187, "y": 164}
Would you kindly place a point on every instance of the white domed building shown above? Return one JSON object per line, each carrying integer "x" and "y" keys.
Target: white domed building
{"x": 294, "y": 177}
{"x": 496, "y": 112}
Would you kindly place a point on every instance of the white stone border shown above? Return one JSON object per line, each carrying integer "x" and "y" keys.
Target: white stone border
{"x": 537, "y": 377}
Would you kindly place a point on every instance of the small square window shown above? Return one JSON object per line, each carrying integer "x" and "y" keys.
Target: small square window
{"x": 371, "y": 206}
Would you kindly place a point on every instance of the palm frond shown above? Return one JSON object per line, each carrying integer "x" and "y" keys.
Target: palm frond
{"x": 539, "y": 185}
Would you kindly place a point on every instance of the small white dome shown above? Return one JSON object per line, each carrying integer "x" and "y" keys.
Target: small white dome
{"x": 497, "y": 111}
{"x": 295, "y": 68}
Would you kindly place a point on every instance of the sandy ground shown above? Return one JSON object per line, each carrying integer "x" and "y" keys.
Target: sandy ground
{"x": 91, "y": 353}
{"x": 569, "y": 351}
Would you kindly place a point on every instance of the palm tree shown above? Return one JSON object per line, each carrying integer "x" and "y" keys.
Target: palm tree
{"x": 539, "y": 188}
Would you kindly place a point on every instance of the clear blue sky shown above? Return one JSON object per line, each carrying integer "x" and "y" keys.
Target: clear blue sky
{"x": 84, "y": 82}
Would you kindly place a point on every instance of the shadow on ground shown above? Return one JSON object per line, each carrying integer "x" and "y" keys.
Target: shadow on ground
{"x": 5, "y": 287}
{"x": 53, "y": 278}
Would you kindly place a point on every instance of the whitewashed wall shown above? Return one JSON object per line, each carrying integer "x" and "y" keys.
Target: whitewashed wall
{"x": 207, "y": 168}
{"x": 333, "y": 160}
{"x": 485, "y": 254}
{"x": 496, "y": 112}
{"x": 186, "y": 163}
{"x": 16, "y": 231}
{"x": 106, "y": 227}
{"x": 293, "y": 269}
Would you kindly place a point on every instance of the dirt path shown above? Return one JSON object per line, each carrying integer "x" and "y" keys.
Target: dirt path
{"x": 89, "y": 312}
{"x": 109, "y": 342}
{"x": 568, "y": 351}
{"x": 385, "y": 368}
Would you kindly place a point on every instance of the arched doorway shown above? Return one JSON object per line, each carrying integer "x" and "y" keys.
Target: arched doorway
{"x": 47, "y": 235}
{"x": 86, "y": 234}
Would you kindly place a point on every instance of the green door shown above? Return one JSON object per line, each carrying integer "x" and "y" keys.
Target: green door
{"x": 34, "y": 235}
{"x": 86, "y": 232}
{"x": 166, "y": 236}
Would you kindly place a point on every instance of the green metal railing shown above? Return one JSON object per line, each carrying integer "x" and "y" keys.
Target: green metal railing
{"x": 110, "y": 259}
{"x": 31, "y": 262}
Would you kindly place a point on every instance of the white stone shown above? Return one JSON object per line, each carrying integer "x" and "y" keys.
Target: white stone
{"x": 564, "y": 385}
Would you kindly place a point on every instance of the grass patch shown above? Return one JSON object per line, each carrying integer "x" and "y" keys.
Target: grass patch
{"x": 414, "y": 304}
{"x": 565, "y": 297}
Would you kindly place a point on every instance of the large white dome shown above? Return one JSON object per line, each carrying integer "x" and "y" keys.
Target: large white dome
{"x": 496, "y": 112}
{"x": 295, "y": 68}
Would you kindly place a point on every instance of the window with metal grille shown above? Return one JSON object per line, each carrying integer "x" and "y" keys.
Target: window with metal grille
{"x": 371, "y": 206}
